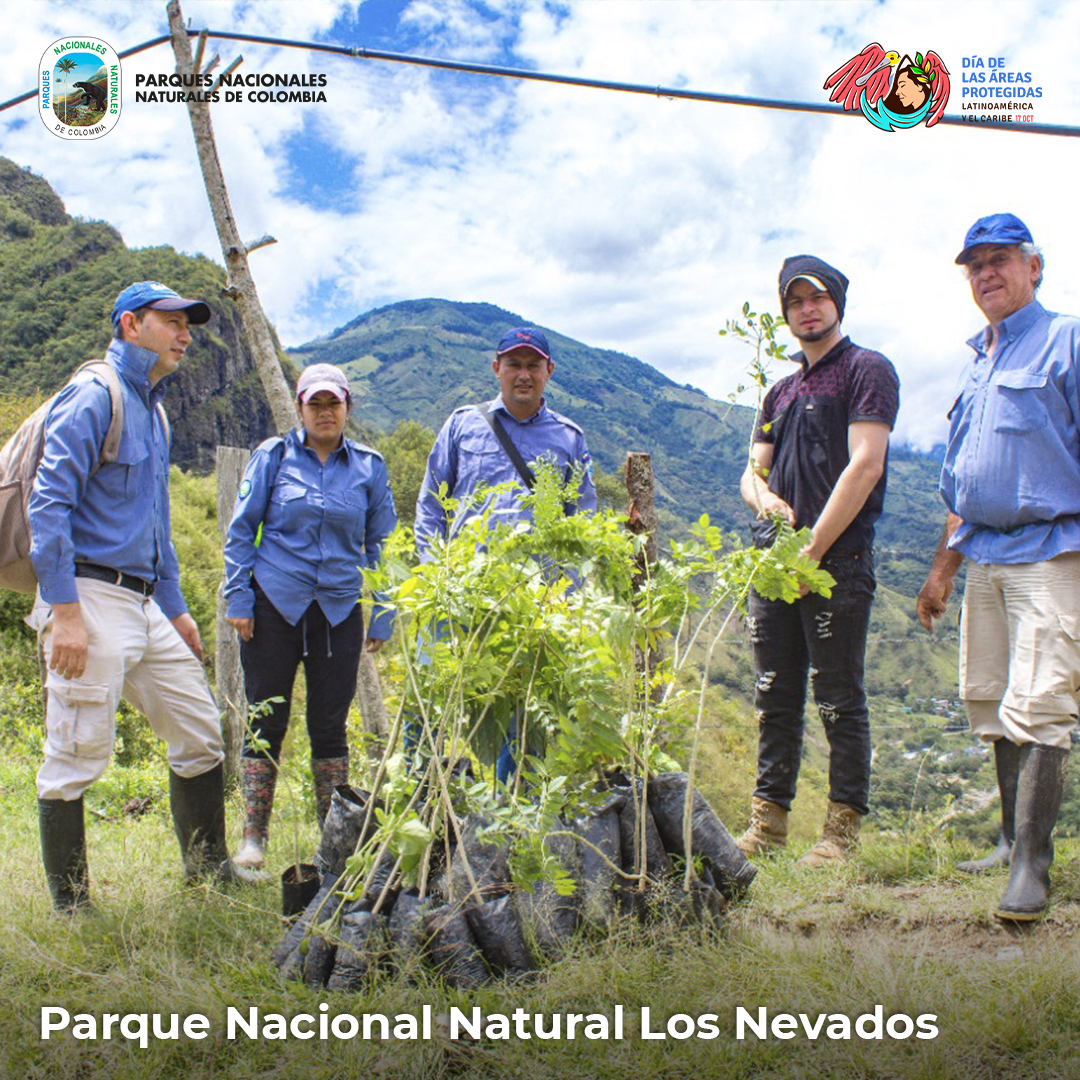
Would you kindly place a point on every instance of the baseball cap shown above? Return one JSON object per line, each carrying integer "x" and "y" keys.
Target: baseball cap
{"x": 155, "y": 295}
{"x": 527, "y": 337}
{"x": 322, "y": 377}
{"x": 994, "y": 229}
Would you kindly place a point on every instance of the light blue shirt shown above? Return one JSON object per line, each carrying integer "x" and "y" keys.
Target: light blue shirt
{"x": 321, "y": 523}
{"x": 119, "y": 516}
{"x": 467, "y": 453}
{"x": 1012, "y": 463}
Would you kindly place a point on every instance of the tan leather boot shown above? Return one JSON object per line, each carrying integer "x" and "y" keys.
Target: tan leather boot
{"x": 839, "y": 838}
{"x": 767, "y": 830}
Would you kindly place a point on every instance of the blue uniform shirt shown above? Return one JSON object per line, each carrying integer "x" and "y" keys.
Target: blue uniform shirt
{"x": 321, "y": 525}
{"x": 1012, "y": 463}
{"x": 467, "y": 453}
{"x": 119, "y": 516}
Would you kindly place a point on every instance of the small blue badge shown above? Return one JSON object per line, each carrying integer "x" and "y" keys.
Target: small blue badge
{"x": 245, "y": 489}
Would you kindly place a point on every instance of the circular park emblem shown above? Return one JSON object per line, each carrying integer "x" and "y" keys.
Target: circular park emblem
{"x": 79, "y": 88}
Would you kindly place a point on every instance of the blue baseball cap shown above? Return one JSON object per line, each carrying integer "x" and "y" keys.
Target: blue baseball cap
{"x": 994, "y": 229}
{"x": 524, "y": 337}
{"x": 161, "y": 297}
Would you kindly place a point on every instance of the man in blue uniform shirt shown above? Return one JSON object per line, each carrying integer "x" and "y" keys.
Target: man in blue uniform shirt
{"x": 111, "y": 615}
{"x": 1011, "y": 482}
{"x": 468, "y": 452}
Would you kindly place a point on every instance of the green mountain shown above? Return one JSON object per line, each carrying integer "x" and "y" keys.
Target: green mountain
{"x": 421, "y": 359}
{"x": 60, "y": 276}
{"x": 414, "y": 360}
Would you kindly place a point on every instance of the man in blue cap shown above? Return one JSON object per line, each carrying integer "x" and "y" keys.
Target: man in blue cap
{"x": 1011, "y": 482}
{"x": 478, "y": 443}
{"x": 468, "y": 450}
{"x": 110, "y": 612}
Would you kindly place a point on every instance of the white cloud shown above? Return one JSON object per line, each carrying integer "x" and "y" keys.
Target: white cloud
{"x": 630, "y": 222}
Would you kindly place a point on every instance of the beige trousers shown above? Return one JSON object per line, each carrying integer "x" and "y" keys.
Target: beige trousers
{"x": 134, "y": 653}
{"x": 1020, "y": 650}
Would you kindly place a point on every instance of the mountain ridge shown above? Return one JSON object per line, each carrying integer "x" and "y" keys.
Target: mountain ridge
{"x": 416, "y": 359}
{"x": 420, "y": 359}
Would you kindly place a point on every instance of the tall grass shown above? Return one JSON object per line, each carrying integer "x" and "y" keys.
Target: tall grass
{"x": 896, "y": 928}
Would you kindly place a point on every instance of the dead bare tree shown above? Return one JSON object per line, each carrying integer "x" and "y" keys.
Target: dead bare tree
{"x": 241, "y": 289}
{"x": 241, "y": 285}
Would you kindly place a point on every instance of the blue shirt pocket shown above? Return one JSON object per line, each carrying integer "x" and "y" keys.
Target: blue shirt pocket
{"x": 130, "y": 476}
{"x": 347, "y": 507}
{"x": 1019, "y": 404}
{"x": 288, "y": 507}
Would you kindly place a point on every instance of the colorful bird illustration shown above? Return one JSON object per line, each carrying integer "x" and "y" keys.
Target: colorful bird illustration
{"x": 890, "y": 91}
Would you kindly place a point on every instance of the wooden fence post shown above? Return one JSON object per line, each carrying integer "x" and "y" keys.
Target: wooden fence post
{"x": 641, "y": 511}
{"x": 369, "y": 701}
{"x": 230, "y": 465}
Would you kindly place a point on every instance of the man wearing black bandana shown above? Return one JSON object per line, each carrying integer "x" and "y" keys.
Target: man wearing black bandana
{"x": 819, "y": 461}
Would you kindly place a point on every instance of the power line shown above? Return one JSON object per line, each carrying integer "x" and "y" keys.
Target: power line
{"x": 361, "y": 53}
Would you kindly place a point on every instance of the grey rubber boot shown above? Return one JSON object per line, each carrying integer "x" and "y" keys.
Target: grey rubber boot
{"x": 1038, "y": 799}
{"x": 1007, "y": 760}
{"x": 329, "y": 774}
{"x": 63, "y": 853}
{"x": 198, "y": 811}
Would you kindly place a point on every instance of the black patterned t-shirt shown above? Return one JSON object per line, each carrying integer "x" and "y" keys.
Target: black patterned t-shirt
{"x": 806, "y": 417}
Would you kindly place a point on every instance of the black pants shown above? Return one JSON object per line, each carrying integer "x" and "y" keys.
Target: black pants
{"x": 824, "y": 639}
{"x": 331, "y": 657}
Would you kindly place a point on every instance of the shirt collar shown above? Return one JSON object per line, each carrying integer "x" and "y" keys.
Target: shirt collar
{"x": 300, "y": 434}
{"x": 1011, "y": 327}
{"x": 541, "y": 413}
{"x": 135, "y": 363}
{"x": 828, "y": 358}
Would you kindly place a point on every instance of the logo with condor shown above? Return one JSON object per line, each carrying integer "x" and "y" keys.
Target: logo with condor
{"x": 79, "y": 88}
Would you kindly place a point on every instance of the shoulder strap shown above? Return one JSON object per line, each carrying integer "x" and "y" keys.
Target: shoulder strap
{"x": 111, "y": 446}
{"x": 163, "y": 416}
{"x": 506, "y": 443}
{"x": 277, "y": 455}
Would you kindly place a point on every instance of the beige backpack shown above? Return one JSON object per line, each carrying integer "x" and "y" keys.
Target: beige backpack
{"x": 19, "y": 460}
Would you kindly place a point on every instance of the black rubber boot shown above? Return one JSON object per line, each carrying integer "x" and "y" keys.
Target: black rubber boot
{"x": 63, "y": 853}
{"x": 198, "y": 810}
{"x": 1007, "y": 760}
{"x": 1038, "y": 799}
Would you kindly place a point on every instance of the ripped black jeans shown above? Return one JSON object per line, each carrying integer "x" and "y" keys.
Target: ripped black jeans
{"x": 824, "y": 639}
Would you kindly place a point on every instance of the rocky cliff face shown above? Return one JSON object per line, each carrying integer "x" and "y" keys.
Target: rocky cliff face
{"x": 60, "y": 279}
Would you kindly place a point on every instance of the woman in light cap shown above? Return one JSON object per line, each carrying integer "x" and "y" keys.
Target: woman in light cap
{"x": 314, "y": 508}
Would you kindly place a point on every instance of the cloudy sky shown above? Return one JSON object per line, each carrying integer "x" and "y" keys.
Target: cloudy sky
{"x": 636, "y": 223}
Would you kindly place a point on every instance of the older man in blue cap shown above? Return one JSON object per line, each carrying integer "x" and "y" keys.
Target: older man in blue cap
{"x": 111, "y": 616}
{"x": 1011, "y": 482}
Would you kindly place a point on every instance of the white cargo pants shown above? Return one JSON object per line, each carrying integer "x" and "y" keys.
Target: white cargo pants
{"x": 135, "y": 653}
